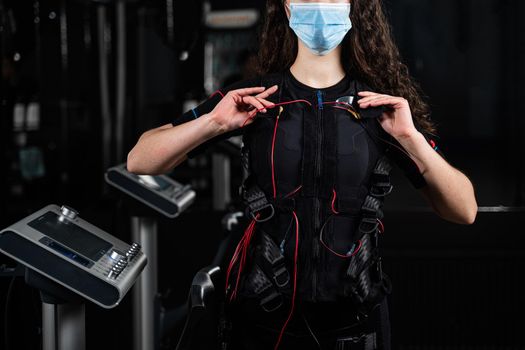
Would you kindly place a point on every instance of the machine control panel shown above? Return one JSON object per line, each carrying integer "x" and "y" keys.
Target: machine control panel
{"x": 159, "y": 192}
{"x": 57, "y": 243}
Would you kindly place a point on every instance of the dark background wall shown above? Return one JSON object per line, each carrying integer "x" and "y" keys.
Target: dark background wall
{"x": 454, "y": 286}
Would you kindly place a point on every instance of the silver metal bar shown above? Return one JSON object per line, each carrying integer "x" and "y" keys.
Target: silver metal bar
{"x": 49, "y": 329}
{"x": 144, "y": 232}
{"x": 104, "y": 85}
{"x": 221, "y": 181}
{"x": 121, "y": 80}
{"x": 64, "y": 326}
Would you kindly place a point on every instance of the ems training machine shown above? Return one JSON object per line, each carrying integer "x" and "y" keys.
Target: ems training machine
{"x": 70, "y": 260}
{"x": 170, "y": 198}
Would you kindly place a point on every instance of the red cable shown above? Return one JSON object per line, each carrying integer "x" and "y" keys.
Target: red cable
{"x": 343, "y": 256}
{"x": 235, "y": 257}
{"x": 242, "y": 248}
{"x": 382, "y": 227}
{"x": 245, "y": 241}
{"x": 244, "y": 253}
{"x": 290, "y": 102}
{"x": 333, "y": 201}
{"x": 294, "y": 280}
{"x": 293, "y": 192}
{"x": 217, "y": 92}
{"x": 273, "y": 106}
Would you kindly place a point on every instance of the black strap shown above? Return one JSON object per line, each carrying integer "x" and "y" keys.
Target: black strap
{"x": 366, "y": 282}
{"x": 256, "y": 203}
{"x": 269, "y": 278}
{"x": 272, "y": 260}
{"x": 368, "y": 257}
{"x": 258, "y": 283}
{"x": 381, "y": 185}
{"x": 358, "y": 342}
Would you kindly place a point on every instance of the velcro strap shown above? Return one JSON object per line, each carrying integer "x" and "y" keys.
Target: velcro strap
{"x": 380, "y": 180}
{"x": 259, "y": 283}
{"x": 255, "y": 198}
{"x": 363, "y": 259}
{"x": 383, "y": 166}
{"x": 273, "y": 261}
{"x": 371, "y": 207}
{"x": 256, "y": 202}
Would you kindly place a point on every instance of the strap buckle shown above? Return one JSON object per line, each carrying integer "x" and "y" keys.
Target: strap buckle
{"x": 381, "y": 189}
{"x": 272, "y": 302}
{"x": 281, "y": 277}
{"x": 268, "y": 217}
{"x": 368, "y": 225}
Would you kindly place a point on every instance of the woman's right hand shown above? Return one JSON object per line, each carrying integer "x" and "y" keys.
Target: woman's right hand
{"x": 238, "y": 107}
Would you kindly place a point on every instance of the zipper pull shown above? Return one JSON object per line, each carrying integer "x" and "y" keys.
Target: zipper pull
{"x": 319, "y": 99}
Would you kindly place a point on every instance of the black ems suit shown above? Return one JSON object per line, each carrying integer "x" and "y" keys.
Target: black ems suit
{"x": 317, "y": 172}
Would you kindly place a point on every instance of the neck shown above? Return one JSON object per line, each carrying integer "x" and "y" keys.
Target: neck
{"x": 317, "y": 71}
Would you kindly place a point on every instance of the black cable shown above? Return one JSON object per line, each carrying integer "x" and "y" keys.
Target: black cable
{"x": 286, "y": 235}
{"x": 310, "y": 330}
{"x": 408, "y": 154}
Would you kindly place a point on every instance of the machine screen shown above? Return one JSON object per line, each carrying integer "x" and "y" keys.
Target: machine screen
{"x": 153, "y": 182}
{"x": 71, "y": 235}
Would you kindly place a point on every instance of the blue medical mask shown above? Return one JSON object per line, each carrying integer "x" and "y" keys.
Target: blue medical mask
{"x": 320, "y": 26}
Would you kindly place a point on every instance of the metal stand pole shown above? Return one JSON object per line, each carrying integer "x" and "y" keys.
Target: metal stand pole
{"x": 221, "y": 181}
{"x": 64, "y": 326}
{"x": 144, "y": 232}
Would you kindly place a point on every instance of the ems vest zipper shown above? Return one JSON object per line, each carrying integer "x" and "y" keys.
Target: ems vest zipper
{"x": 317, "y": 181}
{"x": 320, "y": 143}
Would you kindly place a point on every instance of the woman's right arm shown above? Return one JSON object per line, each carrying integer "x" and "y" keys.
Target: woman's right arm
{"x": 161, "y": 149}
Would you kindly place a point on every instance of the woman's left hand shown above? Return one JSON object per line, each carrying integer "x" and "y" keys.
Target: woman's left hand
{"x": 397, "y": 120}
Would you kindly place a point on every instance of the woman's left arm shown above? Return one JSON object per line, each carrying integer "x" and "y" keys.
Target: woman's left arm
{"x": 448, "y": 191}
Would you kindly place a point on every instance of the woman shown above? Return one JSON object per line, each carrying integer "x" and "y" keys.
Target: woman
{"x": 333, "y": 106}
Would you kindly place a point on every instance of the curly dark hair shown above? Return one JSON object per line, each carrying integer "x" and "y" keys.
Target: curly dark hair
{"x": 369, "y": 54}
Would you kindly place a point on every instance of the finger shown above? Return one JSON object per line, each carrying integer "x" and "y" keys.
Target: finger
{"x": 371, "y": 98}
{"x": 266, "y": 103}
{"x": 377, "y": 102}
{"x": 254, "y": 102}
{"x": 367, "y": 93}
{"x": 268, "y": 91}
{"x": 396, "y": 102}
{"x": 249, "y": 91}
